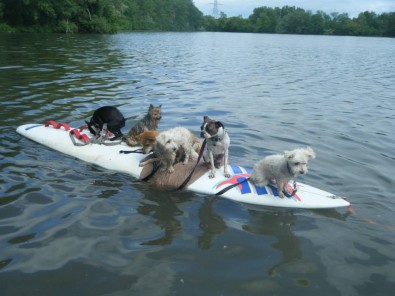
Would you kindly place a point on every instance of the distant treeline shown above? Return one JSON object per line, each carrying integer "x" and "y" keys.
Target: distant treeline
{"x": 110, "y": 16}
{"x": 292, "y": 20}
{"x": 98, "y": 16}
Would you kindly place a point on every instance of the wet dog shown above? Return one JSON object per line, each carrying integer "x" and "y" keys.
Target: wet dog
{"x": 175, "y": 145}
{"x": 107, "y": 115}
{"x": 218, "y": 141}
{"x": 281, "y": 168}
{"x": 149, "y": 122}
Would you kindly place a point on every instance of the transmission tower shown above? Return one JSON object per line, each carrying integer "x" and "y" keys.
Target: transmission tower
{"x": 215, "y": 8}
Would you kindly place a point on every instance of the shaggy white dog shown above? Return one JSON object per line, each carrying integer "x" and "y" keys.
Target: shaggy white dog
{"x": 174, "y": 145}
{"x": 281, "y": 168}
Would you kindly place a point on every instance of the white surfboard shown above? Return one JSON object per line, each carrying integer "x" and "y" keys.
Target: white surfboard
{"x": 57, "y": 137}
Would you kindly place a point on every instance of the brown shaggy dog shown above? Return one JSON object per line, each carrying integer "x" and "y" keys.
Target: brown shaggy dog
{"x": 147, "y": 140}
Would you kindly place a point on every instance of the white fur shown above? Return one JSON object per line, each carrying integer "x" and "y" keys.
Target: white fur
{"x": 282, "y": 168}
{"x": 174, "y": 145}
{"x": 217, "y": 151}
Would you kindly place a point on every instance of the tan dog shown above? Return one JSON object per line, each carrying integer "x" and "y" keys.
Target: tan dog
{"x": 173, "y": 146}
{"x": 147, "y": 140}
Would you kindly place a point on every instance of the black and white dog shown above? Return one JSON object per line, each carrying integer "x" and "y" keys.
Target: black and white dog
{"x": 110, "y": 116}
{"x": 218, "y": 141}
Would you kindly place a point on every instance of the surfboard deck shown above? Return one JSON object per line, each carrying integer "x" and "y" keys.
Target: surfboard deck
{"x": 57, "y": 137}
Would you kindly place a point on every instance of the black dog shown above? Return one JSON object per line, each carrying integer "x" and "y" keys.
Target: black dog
{"x": 107, "y": 115}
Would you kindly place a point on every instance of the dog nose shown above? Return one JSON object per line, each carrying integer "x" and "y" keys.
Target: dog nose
{"x": 301, "y": 172}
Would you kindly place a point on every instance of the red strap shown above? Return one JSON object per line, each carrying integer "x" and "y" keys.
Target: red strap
{"x": 79, "y": 136}
{"x": 51, "y": 122}
{"x": 57, "y": 126}
{"x": 65, "y": 126}
{"x": 81, "y": 128}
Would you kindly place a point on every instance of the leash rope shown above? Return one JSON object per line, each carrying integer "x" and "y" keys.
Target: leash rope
{"x": 194, "y": 168}
{"x": 295, "y": 189}
{"x": 140, "y": 150}
{"x": 155, "y": 167}
{"x": 231, "y": 186}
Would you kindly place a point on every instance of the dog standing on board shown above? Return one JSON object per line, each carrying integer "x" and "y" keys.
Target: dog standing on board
{"x": 149, "y": 122}
{"x": 218, "y": 141}
{"x": 172, "y": 146}
{"x": 107, "y": 115}
{"x": 281, "y": 168}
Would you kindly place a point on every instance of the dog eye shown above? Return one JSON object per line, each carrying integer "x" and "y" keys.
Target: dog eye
{"x": 168, "y": 141}
{"x": 297, "y": 163}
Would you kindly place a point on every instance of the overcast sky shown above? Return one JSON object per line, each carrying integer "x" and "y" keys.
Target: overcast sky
{"x": 246, "y": 7}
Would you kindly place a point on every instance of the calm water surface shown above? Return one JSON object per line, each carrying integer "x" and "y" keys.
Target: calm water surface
{"x": 71, "y": 228}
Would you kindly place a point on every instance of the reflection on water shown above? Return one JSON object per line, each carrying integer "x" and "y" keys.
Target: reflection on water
{"x": 68, "y": 227}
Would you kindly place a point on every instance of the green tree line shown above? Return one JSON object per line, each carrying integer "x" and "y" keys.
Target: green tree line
{"x": 292, "y": 20}
{"x": 110, "y": 16}
{"x": 99, "y": 16}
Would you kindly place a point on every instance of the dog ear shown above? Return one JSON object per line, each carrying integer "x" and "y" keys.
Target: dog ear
{"x": 310, "y": 153}
{"x": 219, "y": 124}
{"x": 289, "y": 154}
{"x": 88, "y": 123}
{"x": 205, "y": 118}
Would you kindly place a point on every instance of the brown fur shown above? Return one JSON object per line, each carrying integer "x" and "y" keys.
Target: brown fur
{"x": 149, "y": 122}
{"x": 147, "y": 140}
{"x": 197, "y": 144}
{"x": 180, "y": 154}
{"x": 173, "y": 180}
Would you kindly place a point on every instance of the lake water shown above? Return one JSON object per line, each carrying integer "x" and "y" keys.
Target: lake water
{"x": 71, "y": 228}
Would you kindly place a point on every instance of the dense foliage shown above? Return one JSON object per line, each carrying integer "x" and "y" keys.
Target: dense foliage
{"x": 292, "y": 20}
{"x": 99, "y": 16}
{"x": 109, "y": 16}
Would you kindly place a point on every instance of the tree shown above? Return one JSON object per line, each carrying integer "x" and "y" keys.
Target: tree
{"x": 264, "y": 20}
{"x": 296, "y": 22}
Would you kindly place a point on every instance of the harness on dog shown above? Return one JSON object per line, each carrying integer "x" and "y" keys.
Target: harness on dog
{"x": 194, "y": 168}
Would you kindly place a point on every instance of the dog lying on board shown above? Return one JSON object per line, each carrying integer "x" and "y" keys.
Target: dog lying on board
{"x": 149, "y": 122}
{"x": 218, "y": 141}
{"x": 281, "y": 168}
{"x": 110, "y": 116}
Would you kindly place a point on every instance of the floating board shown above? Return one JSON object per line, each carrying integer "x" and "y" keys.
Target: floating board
{"x": 57, "y": 137}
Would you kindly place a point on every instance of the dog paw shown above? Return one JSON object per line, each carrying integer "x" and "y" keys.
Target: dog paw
{"x": 211, "y": 175}
{"x": 170, "y": 170}
{"x": 226, "y": 174}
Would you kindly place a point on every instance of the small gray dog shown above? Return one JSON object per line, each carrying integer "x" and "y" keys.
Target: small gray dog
{"x": 281, "y": 168}
{"x": 218, "y": 141}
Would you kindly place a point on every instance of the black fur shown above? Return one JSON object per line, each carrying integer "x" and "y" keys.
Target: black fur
{"x": 109, "y": 115}
{"x": 210, "y": 126}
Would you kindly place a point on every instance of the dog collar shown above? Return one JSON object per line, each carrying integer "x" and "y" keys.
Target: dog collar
{"x": 216, "y": 137}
